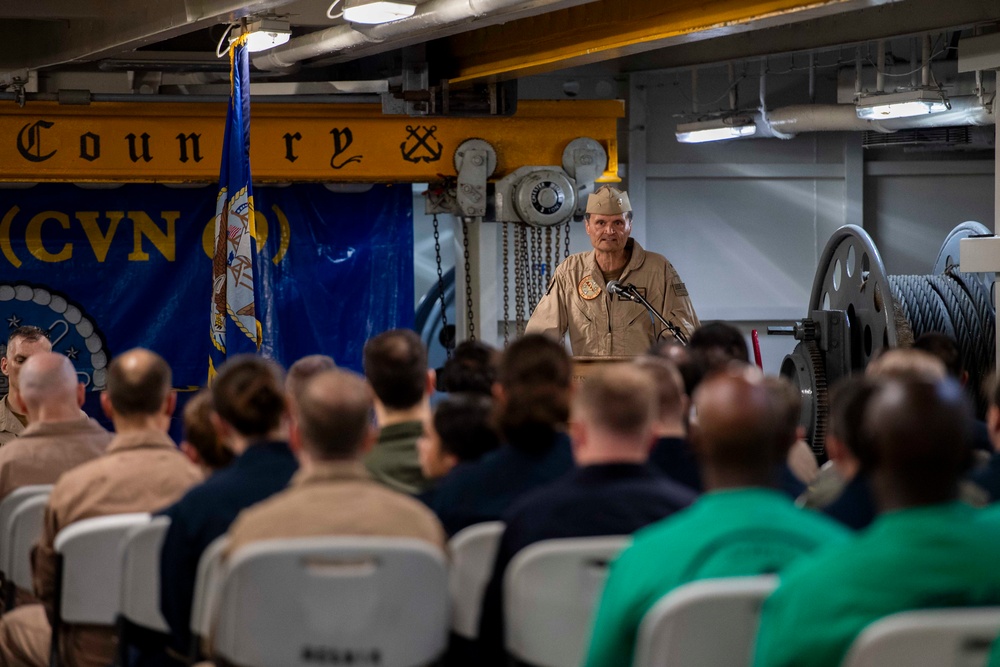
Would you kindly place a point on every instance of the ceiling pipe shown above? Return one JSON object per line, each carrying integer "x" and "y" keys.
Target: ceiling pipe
{"x": 431, "y": 20}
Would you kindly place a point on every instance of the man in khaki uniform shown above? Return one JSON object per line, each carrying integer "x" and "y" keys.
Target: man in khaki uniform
{"x": 578, "y": 301}
{"x": 22, "y": 343}
{"x": 333, "y": 494}
{"x": 142, "y": 471}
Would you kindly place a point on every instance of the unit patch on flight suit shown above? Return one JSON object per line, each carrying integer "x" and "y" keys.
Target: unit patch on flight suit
{"x": 680, "y": 289}
{"x": 588, "y": 289}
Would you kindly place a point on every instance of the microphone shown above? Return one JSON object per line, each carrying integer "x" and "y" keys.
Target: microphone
{"x": 617, "y": 289}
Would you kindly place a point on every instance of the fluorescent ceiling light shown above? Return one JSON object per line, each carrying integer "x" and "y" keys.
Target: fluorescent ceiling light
{"x": 376, "y": 11}
{"x": 267, "y": 34}
{"x": 731, "y": 127}
{"x": 882, "y": 106}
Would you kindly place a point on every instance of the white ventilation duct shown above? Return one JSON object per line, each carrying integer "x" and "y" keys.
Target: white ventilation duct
{"x": 786, "y": 122}
{"x": 432, "y": 20}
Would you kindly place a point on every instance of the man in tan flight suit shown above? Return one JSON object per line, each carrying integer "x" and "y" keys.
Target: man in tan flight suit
{"x": 142, "y": 471}
{"x": 22, "y": 343}
{"x": 577, "y": 301}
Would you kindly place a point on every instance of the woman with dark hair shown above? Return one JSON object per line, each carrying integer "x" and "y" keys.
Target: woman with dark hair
{"x": 532, "y": 409}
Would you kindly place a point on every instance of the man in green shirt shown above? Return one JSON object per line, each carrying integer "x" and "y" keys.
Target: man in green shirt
{"x": 741, "y": 429}
{"x": 924, "y": 550}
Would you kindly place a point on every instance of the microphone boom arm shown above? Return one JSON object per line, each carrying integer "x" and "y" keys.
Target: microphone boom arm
{"x": 629, "y": 291}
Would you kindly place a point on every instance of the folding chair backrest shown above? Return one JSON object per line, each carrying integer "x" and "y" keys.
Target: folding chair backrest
{"x": 25, "y": 528}
{"x": 550, "y": 592}
{"x": 928, "y": 638}
{"x": 473, "y": 551}
{"x": 91, "y": 550}
{"x": 140, "y": 598}
{"x": 333, "y": 600}
{"x": 710, "y": 623}
{"x": 7, "y": 507}
{"x": 207, "y": 582}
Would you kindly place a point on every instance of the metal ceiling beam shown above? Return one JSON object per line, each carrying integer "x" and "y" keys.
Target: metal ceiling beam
{"x": 610, "y": 29}
{"x": 37, "y": 44}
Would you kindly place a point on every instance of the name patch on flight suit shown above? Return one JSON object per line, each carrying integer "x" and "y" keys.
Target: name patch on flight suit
{"x": 680, "y": 289}
{"x": 588, "y": 289}
{"x": 640, "y": 290}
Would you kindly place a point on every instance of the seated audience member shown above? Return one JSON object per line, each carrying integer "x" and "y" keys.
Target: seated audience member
{"x": 141, "y": 471}
{"x": 690, "y": 367}
{"x": 250, "y": 414}
{"x": 926, "y": 549}
{"x": 332, "y": 494}
{"x": 739, "y": 527}
{"x": 471, "y": 369}
{"x": 946, "y": 349}
{"x": 987, "y": 477}
{"x": 672, "y": 454}
{"x": 532, "y": 404}
{"x": 396, "y": 367}
{"x": 201, "y": 443}
{"x": 301, "y": 372}
{"x": 59, "y": 436}
{"x": 22, "y": 343}
{"x": 460, "y": 432}
{"x": 612, "y": 491}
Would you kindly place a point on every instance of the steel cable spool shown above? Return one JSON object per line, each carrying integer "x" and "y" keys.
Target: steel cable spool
{"x": 885, "y": 311}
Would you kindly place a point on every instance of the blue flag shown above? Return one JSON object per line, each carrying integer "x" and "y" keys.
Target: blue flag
{"x": 234, "y": 323}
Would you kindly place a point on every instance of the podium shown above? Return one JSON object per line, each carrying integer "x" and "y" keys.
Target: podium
{"x": 584, "y": 366}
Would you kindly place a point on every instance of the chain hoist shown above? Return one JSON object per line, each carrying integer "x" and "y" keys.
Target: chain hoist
{"x": 520, "y": 274}
{"x": 566, "y": 251}
{"x": 548, "y": 258}
{"x": 506, "y": 286}
{"x": 440, "y": 274}
{"x": 468, "y": 281}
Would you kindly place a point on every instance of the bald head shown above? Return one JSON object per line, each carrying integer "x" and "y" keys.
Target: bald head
{"x": 738, "y": 424}
{"x": 49, "y": 386}
{"x": 335, "y": 415}
{"x": 139, "y": 383}
{"x": 915, "y": 433}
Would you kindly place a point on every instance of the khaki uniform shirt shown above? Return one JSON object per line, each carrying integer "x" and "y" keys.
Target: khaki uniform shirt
{"x": 141, "y": 472}
{"x": 10, "y": 425}
{"x": 46, "y": 450}
{"x": 600, "y": 324}
{"x": 335, "y": 498}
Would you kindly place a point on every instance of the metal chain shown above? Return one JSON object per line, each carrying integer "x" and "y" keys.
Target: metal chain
{"x": 437, "y": 258}
{"x": 506, "y": 286}
{"x": 548, "y": 258}
{"x": 468, "y": 280}
{"x": 533, "y": 271}
{"x": 566, "y": 251}
{"x": 520, "y": 251}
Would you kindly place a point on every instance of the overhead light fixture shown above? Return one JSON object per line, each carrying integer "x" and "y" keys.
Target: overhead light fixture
{"x": 267, "y": 33}
{"x": 883, "y": 106}
{"x": 719, "y": 129}
{"x": 372, "y": 12}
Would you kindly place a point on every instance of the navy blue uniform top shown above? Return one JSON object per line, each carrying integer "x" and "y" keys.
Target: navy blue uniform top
{"x": 206, "y": 512}
{"x": 483, "y": 490}
{"x": 610, "y": 499}
{"x": 674, "y": 458}
{"x": 855, "y": 506}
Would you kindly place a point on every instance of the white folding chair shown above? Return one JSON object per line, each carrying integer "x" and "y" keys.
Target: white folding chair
{"x": 473, "y": 551}
{"x": 7, "y": 507}
{"x": 333, "y": 600}
{"x": 25, "y": 525}
{"x": 710, "y": 623}
{"x": 957, "y": 637}
{"x": 206, "y": 592}
{"x": 550, "y": 592}
{"x": 90, "y": 579}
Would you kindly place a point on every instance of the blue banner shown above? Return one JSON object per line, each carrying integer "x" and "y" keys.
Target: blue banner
{"x": 105, "y": 270}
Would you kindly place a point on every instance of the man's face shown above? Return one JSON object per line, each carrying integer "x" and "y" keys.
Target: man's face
{"x": 608, "y": 233}
{"x": 18, "y": 352}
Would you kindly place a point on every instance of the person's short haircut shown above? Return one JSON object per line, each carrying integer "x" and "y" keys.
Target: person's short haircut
{"x": 27, "y": 333}
{"x": 249, "y": 394}
{"x": 335, "y": 414}
{"x": 619, "y": 399}
{"x": 198, "y": 431}
{"x": 471, "y": 368}
{"x": 906, "y": 362}
{"x": 848, "y": 400}
{"x": 464, "y": 424}
{"x": 670, "y": 391}
{"x": 536, "y": 374}
{"x": 303, "y": 369}
{"x": 395, "y": 364}
{"x": 718, "y": 341}
{"x": 690, "y": 365}
{"x": 142, "y": 387}
{"x": 944, "y": 348}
